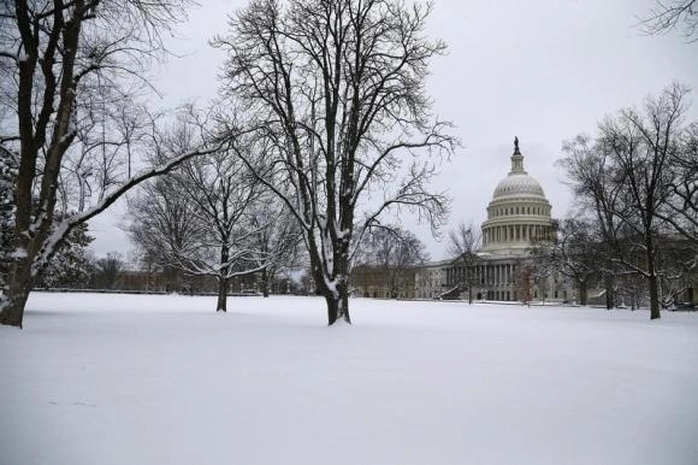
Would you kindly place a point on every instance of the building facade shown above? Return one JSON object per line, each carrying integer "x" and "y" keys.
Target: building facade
{"x": 383, "y": 283}
{"x": 430, "y": 279}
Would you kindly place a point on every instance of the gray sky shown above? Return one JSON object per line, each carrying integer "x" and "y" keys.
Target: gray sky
{"x": 544, "y": 71}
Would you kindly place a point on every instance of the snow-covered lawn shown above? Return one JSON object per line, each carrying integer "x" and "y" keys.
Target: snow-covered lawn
{"x": 120, "y": 379}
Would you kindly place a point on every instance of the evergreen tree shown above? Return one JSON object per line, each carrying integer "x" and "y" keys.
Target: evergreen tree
{"x": 71, "y": 266}
{"x": 8, "y": 175}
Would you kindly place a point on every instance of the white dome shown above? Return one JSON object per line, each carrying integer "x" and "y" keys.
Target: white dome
{"x": 518, "y": 185}
{"x": 518, "y": 214}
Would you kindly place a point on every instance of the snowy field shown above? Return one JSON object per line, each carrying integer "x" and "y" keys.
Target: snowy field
{"x": 119, "y": 379}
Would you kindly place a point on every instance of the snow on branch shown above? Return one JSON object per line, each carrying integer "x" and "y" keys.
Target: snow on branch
{"x": 70, "y": 223}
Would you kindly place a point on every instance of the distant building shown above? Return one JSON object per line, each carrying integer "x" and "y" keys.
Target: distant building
{"x": 381, "y": 283}
{"x": 163, "y": 281}
{"x": 518, "y": 215}
{"x": 430, "y": 280}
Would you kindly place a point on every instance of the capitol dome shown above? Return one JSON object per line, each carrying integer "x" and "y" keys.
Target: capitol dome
{"x": 518, "y": 184}
{"x": 519, "y": 213}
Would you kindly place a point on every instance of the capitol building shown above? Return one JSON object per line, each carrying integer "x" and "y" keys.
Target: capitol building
{"x": 518, "y": 215}
{"x": 502, "y": 269}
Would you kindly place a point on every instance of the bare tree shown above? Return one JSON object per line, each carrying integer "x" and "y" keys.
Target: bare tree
{"x": 110, "y": 129}
{"x": 222, "y": 195}
{"x": 336, "y": 93}
{"x": 277, "y": 239}
{"x": 394, "y": 251}
{"x": 524, "y": 281}
{"x": 576, "y": 253}
{"x": 642, "y": 147}
{"x": 681, "y": 208}
{"x": 668, "y": 15}
{"x": 55, "y": 57}
{"x": 107, "y": 270}
{"x": 627, "y": 174}
{"x": 598, "y": 187}
{"x": 463, "y": 244}
{"x": 677, "y": 262}
{"x": 160, "y": 224}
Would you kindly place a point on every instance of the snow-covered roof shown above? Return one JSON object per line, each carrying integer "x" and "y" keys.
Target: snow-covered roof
{"x": 517, "y": 185}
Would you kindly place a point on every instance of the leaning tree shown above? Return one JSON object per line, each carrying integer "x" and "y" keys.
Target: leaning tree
{"x": 61, "y": 62}
{"x": 336, "y": 96}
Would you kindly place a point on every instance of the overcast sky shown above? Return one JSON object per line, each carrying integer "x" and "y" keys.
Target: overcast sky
{"x": 543, "y": 70}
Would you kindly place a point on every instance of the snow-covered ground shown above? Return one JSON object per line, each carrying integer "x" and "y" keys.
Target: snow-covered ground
{"x": 120, "y": 379}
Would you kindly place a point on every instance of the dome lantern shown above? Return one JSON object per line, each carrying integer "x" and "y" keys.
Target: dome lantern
{"x": 517, "y": 160}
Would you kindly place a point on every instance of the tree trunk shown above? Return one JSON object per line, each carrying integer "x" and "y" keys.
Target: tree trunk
{"x": 265, "y": 283}
{"x": 222, "y": 305}
{"x": 652, "y": 279}
{"x": 20, "y": 285}
{"x": 654, "y": 296}
{"x": 337, "y": 309}
{"x": 583, "y": 292}
{"x": 610, "y": 297}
